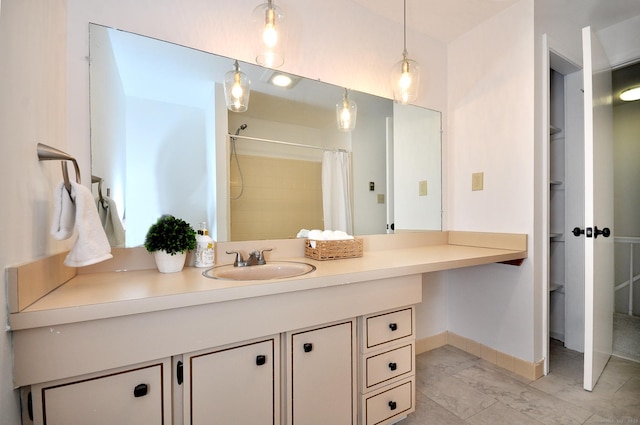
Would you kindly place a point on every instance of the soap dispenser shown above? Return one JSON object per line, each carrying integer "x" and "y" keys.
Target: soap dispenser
{"x": 204, "y": 247}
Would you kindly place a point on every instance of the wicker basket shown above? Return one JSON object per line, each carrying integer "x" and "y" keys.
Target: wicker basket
{"x": 333, "y": 250}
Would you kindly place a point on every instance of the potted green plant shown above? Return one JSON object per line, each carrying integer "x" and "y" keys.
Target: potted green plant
{"x": 169, "y": 239}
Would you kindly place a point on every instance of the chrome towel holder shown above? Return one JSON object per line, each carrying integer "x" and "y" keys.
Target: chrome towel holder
{"x": 46, "y": 153}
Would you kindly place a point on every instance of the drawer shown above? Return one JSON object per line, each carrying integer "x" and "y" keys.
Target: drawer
{"x": 388, "y": 365}
{"x": 388, "y": 327}
{"x": 392, "y": 402}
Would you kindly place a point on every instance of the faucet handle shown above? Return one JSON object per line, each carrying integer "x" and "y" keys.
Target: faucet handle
{"x": 261, "y": 259}
{"x": 239, "y": 261}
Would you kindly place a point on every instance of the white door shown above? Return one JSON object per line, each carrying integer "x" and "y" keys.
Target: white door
{"x": 598, "y": 214}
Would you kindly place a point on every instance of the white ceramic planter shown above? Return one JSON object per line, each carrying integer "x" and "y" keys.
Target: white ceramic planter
{"x": 169, "y": 263}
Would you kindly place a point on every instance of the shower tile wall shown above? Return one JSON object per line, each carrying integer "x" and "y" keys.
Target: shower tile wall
{"x": 280, "y": 197}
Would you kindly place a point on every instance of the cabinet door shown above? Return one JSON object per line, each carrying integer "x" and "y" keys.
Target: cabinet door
{"x": 320, "y": 375}
{"x": 132, "y": 397}
{"x": 236, "y": 385}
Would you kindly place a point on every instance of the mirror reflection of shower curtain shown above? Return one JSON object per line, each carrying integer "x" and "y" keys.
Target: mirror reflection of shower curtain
{"x": 336, "y": 191}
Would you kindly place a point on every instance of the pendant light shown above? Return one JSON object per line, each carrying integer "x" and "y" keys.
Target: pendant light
{"x": 269, "y": 24}
{"x": 405, "y": 76}
{"x": 236, "y": 89}
{"x": 346, "y": 112}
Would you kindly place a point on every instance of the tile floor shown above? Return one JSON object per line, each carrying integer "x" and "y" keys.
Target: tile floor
{"x": 454, "y": 387}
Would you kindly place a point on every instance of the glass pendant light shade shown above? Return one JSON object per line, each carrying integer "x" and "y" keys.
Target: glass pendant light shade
{"x": 346, "y": 113}
{"x": 236, "y": 89}
{"x": 405, "y": 78}
{"x": 269, "y": 23}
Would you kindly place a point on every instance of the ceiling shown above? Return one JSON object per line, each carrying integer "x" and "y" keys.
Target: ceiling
{"x": 445, "y": 20}
{"x": 442, "y": 20}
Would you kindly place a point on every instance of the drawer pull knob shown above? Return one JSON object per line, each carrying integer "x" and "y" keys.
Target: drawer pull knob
{"x": 307, "y": 347}
{"x": 392, "y": 405}
{"x": 393, "y": 326}
{"x": 393, "y": 366}
{"x": 140, "y": 390}
{"x": 261, "y": 360}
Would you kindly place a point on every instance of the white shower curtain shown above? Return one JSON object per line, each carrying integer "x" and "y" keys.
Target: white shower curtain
{"x": 336, "y": 191}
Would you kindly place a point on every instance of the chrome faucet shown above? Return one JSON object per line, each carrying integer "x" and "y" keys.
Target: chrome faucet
{"x": 256, "y": 258}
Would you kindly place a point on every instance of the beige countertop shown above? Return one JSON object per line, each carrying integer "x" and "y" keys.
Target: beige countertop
{"x": 99, "y": 295}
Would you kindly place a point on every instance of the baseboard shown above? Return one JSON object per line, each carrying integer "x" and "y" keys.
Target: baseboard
{"x": 526, "y": 369}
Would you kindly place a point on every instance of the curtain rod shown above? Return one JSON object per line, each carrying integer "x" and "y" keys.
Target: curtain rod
{"x": 280, "y": 142}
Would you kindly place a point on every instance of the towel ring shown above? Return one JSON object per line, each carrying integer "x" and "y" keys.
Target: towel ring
{"x": 46, "y": 153}
{"x": 96, "y": 179}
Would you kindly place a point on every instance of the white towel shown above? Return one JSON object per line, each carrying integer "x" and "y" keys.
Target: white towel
{"x": 78, "y": 208}
{"x": 108, "y": 212}
{"x": 327, "y": 235}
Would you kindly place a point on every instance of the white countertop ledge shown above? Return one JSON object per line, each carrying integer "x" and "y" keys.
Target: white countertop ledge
{"x": 100, "y": 295}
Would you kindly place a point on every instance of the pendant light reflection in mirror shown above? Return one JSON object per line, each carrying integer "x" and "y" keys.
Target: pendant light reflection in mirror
{"x": 236, "y": 89}
{"x": 405, "y": 76}
{"x": 269, "y": 22}
{"x": 346, "y": 113}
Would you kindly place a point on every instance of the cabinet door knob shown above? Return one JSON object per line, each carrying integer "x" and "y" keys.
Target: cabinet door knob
{"x": 393, "y": 326}
{"x": 393, "y": 366}
{"x": 392, "y": 405}
{"x": 140, "y": 390}
{"x": 307, "y": 347}
{"x": 179, "y": 372}
{"x": 261, "y": 359}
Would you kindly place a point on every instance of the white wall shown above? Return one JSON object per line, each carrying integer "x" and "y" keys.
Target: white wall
{"x": 491, "y": 130}
{"x": 416, "y": 158}
{"x": 369, "y": 165}
{"x": 46, "y": 99}
{"x": 33, "y": 84}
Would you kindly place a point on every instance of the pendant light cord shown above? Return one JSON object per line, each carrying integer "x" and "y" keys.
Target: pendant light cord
{"x": 405, "y": 28}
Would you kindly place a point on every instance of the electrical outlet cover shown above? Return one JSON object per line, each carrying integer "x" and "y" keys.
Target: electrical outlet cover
{"x": 422, "y": 188}
{"x": 477, "y": 181}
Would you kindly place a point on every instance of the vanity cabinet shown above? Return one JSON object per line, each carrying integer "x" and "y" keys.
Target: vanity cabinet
{"x": 238, "y": 384}
{"x": 321, "y": 375}
{"x": 319, "y": 356}
{"x": 131, "y": 396}
{"x": 387, "y": 366}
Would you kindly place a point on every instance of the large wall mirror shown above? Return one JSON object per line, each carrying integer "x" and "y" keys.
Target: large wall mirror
{"x": 163, "y": 142}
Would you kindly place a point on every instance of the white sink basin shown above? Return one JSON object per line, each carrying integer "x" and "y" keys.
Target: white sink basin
{"x": 271, "y": 270}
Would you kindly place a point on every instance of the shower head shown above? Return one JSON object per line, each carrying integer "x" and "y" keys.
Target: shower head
{"x": 242, "y": 127}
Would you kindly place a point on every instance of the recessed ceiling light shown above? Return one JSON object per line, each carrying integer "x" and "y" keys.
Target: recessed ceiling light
{"x": 630, "y": 94}
{"x": 281, "y": 80}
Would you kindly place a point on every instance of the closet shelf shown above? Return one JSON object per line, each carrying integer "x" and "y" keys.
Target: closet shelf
{"x": 555, "y": 182}
{"x": 553, "y": 130}
{"x": 555, "y": 235}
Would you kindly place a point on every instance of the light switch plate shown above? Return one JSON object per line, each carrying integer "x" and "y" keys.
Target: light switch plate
{"x": 381, "y": 198}
{"x": 477, "y": 181}
{"x": 422, "y": 188}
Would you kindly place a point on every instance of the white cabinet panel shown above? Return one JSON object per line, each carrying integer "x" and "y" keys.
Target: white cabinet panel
{"x": 321, "y": 384}
{"x": 388, "y": 365}
{"x": 135, "y": 397}
{"x": 388, "y": 404}
{"x": 235, "y": 385}
{"x": 388, "y": 327}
